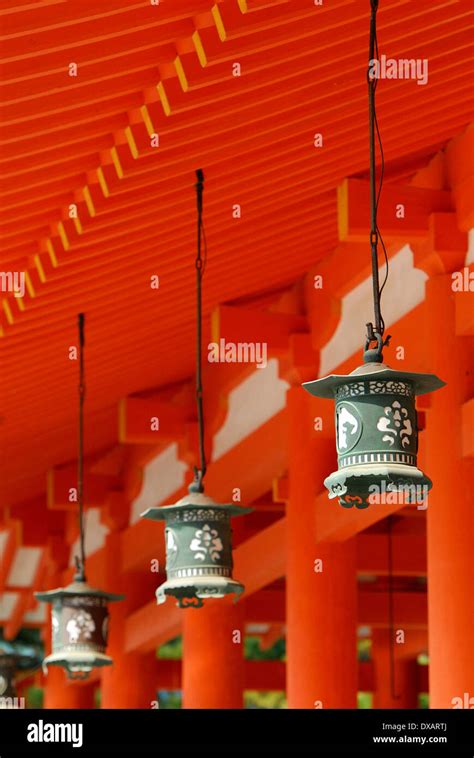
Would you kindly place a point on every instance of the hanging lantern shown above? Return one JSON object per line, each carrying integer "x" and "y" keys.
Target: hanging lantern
{"x": 376, "y": 433}
{"x": 197, "y": 530}
{"x": 80, "y": 614}
{"x": 198, "y": 549}
{"x": 376, "y": 419}
{"x": 7, "y": 675}
{"x": 19, "y": 658}
{"x": 80, "y": 619}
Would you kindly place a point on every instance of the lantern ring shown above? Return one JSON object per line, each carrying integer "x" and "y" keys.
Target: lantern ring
{"x": 374, "y": 354}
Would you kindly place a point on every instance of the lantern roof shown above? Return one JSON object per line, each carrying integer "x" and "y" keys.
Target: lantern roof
{"x": 199, "y": 588}
{"x": 74, "y": 589}
{"x": 78, "y": 661}
{"x": 326, "y": 387}
{"x": 194, "y": 500}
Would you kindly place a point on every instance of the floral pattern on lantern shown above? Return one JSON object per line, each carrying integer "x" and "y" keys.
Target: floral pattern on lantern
{"x": 80, "y": 624}
{"x": 396, "y": 415}
{"x": 206, "y": 542}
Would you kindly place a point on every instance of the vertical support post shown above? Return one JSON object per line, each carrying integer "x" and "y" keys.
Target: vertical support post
{"x": 320, "y": 597}
{"x": 132, "y": 680}
{"x": 450, "y": 530}
{"x": 405, "y": 694}
{"x": 59, "y": 693}
{"x": 213, "y": 664}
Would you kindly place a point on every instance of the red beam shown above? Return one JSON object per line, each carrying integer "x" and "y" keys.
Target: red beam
{"x": 410, "y": 609}
{"x": 409, "y": 554}
{"x": 403, "y": 214}
{"x": 62, "y": 479}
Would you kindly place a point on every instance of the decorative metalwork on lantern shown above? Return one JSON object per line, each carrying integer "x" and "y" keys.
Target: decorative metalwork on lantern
{"x": 7, "y": 676}
{"x": 79, "y": 622}
{"x": 376, "y": 420}
{"x": 198, "y": 549}
{"x": 376, "y": 433}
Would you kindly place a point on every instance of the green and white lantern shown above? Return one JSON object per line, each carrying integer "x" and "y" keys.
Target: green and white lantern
{"x": 198, "y": 539}
{"x": 79, "y": 621}
{"x": 376, "y": 433}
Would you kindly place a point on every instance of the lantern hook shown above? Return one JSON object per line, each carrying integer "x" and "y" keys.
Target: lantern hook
{"x": 197, "y": 485}
{"x": 374, "y": 354}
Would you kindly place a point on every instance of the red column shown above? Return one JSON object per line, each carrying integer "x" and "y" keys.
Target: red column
{"x": 320, "y": 605}
{"x": 213, "y": 665}
{"x": 60, "y": 693}
{"x": 132, "y": 680}
{"x": 403, "y": 692}
{"x": 450, "y": 512}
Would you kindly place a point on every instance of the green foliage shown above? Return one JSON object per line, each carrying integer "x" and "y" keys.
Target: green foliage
{"x": 364, "y": 648}
{"x": 170, "y": 699}
{"x": 253, "y": 651}
{"x": 364, "y": 700}
{"x": 423, "y": 700}
{"x": 172, "y": 650}
{"x": 261, "y": 699}
{"x": 34, "y": 697}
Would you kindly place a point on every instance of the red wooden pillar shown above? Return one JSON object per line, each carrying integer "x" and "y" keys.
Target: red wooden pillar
{"x": 320, "y": 605}
{"x": 60, "y": 693}
{"x": 449, "y": 514}
{"x": 213, "y": 664}
{"x": 403, "y": 691}
{"x": 132, "y": 680}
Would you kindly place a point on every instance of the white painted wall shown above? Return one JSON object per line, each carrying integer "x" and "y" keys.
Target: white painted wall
{"x": 405, "y": 290}
{"x": 161, "y": 477}
{"x": 3, "y": 542}
{"x": 95, "y": 534}
{"x": 259, "y": 397}
{"x": 24, "y": 566}
{"x": 8, "y": 602}
{"x": 38, "y": 615}
{"x": 470, "y": 248}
